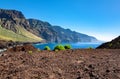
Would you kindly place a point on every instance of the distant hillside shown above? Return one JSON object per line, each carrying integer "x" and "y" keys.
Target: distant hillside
{"x": 57, "y": 33}
{"x": 114, "y": 44}
{"x": 14, "y": 26}
{"x": 67, "y": 35}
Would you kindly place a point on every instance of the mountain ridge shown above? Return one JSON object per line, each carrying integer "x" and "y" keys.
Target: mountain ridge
{"x": 14, "y": 26}
{"x": 68, "y": 36}
{"x": 36, "y": 29}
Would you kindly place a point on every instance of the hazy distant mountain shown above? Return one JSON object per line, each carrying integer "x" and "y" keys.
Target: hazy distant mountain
{"x": 57, "y": 33}
{"x": 114, "y": 44}
{"x": 14, "y": 26}
{"x": 67, "y": 35}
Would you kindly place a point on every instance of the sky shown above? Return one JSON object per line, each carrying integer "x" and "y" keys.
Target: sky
{"x": 98, "y": 18}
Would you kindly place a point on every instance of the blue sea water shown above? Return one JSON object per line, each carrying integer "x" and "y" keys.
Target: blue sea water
{"x": 73, "y": 45}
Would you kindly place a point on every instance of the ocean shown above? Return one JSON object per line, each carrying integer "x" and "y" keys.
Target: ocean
{"x": 80, "y": 45}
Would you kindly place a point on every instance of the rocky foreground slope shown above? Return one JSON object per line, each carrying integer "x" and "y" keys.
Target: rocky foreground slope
{"x": 28, "y": 63}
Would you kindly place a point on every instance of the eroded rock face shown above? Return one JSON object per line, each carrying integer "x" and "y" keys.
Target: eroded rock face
{"x": 67, "y": 35}
{"x": 15, "y": 21}
{"x": 114, "y": 44}
{"x": 57, "y": 33}
{"x": 44, "y": 30}
{"x": 11, "y": 19}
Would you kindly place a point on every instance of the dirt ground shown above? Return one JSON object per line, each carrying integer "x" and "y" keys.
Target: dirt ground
{"x": 68, "y": 64}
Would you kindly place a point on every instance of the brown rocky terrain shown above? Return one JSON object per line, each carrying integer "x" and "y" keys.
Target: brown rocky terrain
{"x": 10, "y": 44}
{"x": 6, "y": 44}
{"x": 28, "y": 63}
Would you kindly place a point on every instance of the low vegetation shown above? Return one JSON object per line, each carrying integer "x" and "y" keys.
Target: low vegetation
{"x": 59, "y": 47}
{"x": 67, "y": 46}
{"x": 30, "y": 52}
{"x": 47, "y": 48}
{"x": 89, "y": 48}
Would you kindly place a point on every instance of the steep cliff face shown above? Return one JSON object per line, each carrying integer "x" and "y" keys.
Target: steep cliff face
{"x": 114, "y": 44}
{"x": 44, "y": 30}
{"x": 67, "y": 35}
{"x": 10, "y": 19}
{"x": 57, "y": 33}
{"x": 14, "y": 26}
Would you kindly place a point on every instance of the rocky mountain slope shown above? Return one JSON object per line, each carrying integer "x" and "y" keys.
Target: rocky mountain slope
{"x": 67, "y": 35}
{"x": 57, "y": 33}
{"x": 43, "y": 29}
{"x": 114, "y": 44}
{"x": 14, "y": 26}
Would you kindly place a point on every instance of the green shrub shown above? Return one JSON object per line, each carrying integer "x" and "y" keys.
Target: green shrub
{"x": 59, "y": 47}
{"x": 89, "y": 48}
{"x": 110, "y": 45}
{"x": 67, "y": 46}
{"x": 47, "y": 48}
{"x": 30, "y": 52}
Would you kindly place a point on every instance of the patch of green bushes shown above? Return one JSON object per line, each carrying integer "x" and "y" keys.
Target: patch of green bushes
{"x": 67, "y": 46}
{"x": 89, "y": 48}
{"x": 59, "y": 47}
{"x": 47, "y": 48}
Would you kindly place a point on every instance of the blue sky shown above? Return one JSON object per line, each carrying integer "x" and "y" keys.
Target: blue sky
{"x": 99, "y": 18}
